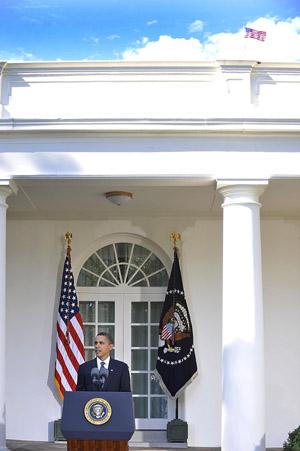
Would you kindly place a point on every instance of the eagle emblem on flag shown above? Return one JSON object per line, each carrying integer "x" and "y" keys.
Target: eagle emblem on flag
{"x": 176, "y": 327}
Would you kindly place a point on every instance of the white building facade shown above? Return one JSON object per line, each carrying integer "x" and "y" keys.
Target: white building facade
{"x": 210, "y": 150}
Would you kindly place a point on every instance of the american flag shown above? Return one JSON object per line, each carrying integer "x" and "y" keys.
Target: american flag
{"x": 255, "y": 34}
{"x": 167, "y": 332}
{"x": 69, "y": 338}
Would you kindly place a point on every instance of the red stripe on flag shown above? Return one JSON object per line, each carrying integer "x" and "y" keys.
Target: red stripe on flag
{"x": 65, "y": 369}
{"x": 75, "y": 336}
{"x": 67, "y": 348}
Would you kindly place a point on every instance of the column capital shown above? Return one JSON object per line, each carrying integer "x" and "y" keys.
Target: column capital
{"x": 241, "y": 191}
{"x": 7, "y": 187}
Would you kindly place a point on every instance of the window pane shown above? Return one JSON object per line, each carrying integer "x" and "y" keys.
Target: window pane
{"x": 86, "y": 279}
{"x": 87, "y": 311}
{"x": 108, "y": 276}
{"x": 159, "y": 408}
{"x": 107, "y": 254}
{"x": 140, "y": 407}
{"x": 159, "y": 280}
{"x": 123, "y": 270}
{"x": 152, "y": 264}
{"x": 139, "y": 255}
{"x": 89, "y": 335}
{"x": 139, "y": 312}
{"x": 94, "y": 264}
{"x": 156, "y": 309}
{"x": 140, "y": 283}
{"x": 154, "y": 336}
{"x": 153, "y": 358}
{"x": 139, "y": 276}
{"x": 106, "y": 312}
{"x": 139, "y": 336}
{"x": 139, "y": 359}
{"x": 89, "y": 354}
{"x": 109, "y": 329}
{"x": 115, "y": 272}
{"x": 123, "y": 251}
{"x": 139, "y": 383}
{"x": 154, "y": 386}
{"x": 105, "y": 283}
{"x": 131, "y": 271}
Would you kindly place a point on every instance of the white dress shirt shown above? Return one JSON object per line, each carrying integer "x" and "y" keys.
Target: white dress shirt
{"x": 106, "y": 363}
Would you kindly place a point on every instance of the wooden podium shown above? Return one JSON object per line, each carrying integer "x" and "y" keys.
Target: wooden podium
{"x": 97, "y": 421}
{"x": 97, "y": 445}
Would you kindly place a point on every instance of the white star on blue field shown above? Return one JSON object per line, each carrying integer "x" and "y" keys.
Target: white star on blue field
{"x": 53, "y": 30}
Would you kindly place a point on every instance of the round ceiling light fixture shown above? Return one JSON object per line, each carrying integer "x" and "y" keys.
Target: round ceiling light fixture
{"x": 119, "y": 197}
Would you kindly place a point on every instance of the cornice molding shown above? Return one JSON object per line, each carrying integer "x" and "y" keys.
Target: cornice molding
{"x": 73, "y": 67}
{"x": 214, "y": 125}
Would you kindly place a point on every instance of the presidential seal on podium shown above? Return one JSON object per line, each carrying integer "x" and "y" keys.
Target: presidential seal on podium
{"x": 97, "y": 411}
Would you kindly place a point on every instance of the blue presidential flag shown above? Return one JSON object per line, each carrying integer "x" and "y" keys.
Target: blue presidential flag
{"x": 176, "y": 365}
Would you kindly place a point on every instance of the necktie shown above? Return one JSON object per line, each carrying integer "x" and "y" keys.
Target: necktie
{"x": 103, "y": 370}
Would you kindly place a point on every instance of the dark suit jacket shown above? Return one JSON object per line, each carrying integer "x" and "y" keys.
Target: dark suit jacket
{"x": 118, "y": 376}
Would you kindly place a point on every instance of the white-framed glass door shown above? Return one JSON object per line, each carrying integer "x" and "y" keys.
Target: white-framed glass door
{"x": 142, "y": 311}
{"x": 121, "y": 287}
{"x": 102, "y": 312}
{"x": 132, "y": 318}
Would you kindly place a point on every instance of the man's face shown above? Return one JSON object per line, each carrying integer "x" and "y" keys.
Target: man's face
{"x": 102, "y": 347}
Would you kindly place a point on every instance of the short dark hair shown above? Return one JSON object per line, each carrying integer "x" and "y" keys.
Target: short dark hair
{"x": 107, "y": 335}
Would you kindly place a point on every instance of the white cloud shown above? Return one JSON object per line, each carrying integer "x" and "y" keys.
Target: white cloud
{"x": 151, "y": 22}
{"x": 112, "y": 37}
{"x": 32, "y": 20}
{"x": 142, "y": 41}
{"x": 282, "y": 44}
{"x": 166, "y": 48}
{"x": 196, "y": 26}
{"x": 33, "y": 4}
{"x": 93, "y": 39}
{"x": 18, "y": 56}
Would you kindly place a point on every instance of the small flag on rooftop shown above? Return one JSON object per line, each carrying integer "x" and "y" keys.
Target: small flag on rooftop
{"x": 176, "y": 363}
{"x": 255, "y": 34}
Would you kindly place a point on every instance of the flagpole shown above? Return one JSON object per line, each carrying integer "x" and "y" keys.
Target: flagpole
{"x": 175, "y": 236}
{"x": 176, "y": 365}
{"x": 68, "y": 239}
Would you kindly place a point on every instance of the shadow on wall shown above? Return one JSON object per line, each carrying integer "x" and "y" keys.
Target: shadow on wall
{"x": 262, "y": 444}
{"x": 2, "y": 431}
{"x": 240, "y": 394}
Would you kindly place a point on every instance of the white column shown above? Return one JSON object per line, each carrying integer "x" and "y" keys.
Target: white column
{"x": 6, "y": 188}
{"x": 243, "y": 402}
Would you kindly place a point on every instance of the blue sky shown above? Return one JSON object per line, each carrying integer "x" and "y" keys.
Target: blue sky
{"x": 147, "y": 29}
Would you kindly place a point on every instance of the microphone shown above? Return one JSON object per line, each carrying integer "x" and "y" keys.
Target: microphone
{"x": 103, "y": 378}
{"x": 95, "y": 375}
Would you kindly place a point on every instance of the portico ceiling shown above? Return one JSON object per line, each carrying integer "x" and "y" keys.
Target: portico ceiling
{"x": 85, "y": 198}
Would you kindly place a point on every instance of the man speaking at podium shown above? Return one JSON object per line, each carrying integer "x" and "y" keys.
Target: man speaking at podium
{"x": 103, "y": 373}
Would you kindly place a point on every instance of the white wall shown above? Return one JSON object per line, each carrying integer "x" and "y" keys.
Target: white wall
{"x": 281, "y": 282}
{"x": 123, "y": 90}
{"x": 34, "y": 263}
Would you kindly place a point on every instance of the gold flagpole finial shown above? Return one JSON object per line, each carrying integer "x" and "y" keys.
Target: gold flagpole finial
{"x": 68, "y": 239}
{"x": 174, "y": 237}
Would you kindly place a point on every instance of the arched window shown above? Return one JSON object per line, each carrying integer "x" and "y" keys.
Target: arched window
{"x": 125, "y": 264}
{"x": 121, "y": 288}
